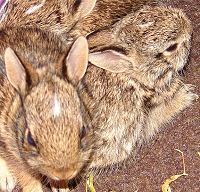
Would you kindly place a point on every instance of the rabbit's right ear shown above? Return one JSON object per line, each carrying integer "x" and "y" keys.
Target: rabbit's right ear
{"x": 84, "y": 6}
{"x": 111, "y": 60}
{"x": 15, "y": 71}
{"x": 77, "y": 60}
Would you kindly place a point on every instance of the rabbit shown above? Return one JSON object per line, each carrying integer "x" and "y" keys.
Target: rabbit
{"x": 58, "y": 15}
{"x": 49, "y": 15}
{"x": 132, "y": 86}
{"x": 107, "y": 12}
{"x": 43, "y": 121}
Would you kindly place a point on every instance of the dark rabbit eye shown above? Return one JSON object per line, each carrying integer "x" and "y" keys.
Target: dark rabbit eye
{"x": 172, "y": 47}
{"x": 76, "y": 5}
{"x": 30, "y": 139}
{"x": 82, "y": 132}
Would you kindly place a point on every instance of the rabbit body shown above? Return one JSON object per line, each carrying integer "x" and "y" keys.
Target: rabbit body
{"x": 136, "y": 88}
{"x": 108, "y": 12}
{"x": 56, "y": 16}
{"x": 41, "y": 114}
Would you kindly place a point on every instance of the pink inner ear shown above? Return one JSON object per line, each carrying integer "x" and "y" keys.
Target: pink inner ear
{"x": 86, "y": 7}
{"x": 15, "y": 70}
{"x": 110, "y": 60}
{"x": 77, "y": 59}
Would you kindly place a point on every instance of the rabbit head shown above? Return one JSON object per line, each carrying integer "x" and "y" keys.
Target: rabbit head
{"x": 151, "y": 42}
{"x": 49, "y": 115}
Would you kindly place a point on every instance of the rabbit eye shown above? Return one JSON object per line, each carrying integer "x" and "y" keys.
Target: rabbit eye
{"x": 30, "y": 139}
{"x": 82, "y": 132}
{"x": 172, "y": 47}
{"x": 76, "y": 5}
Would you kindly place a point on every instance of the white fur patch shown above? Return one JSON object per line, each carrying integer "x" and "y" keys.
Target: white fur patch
{"x": 128, "y": 147}
{"x": 146, "y": 25}
{"x": 34, "y": 8}
{"x": 56, "y": 107}
{"x": 7, "y": 181}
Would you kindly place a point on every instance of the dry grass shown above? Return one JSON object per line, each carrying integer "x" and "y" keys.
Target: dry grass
{"x": 90, "y": 184}
{"x": 166, "y": 185}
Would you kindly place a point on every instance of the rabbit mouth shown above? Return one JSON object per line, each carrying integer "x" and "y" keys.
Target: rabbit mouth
{"x": 64, "y": 184}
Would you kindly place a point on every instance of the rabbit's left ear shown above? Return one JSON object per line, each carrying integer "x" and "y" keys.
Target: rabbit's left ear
{"x": 15, "y": 71}
{"x": 77, "y": 60}
{"x": 111, "y": 60}
{"x": 85, "y": 6}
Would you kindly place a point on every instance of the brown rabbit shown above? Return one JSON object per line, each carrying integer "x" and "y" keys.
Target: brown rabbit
{"x": 136, "y": 87}
{"x": 49, "y": 15}
{"x": 107, "y": 12}
{"x": 70, "y": 18}
{"x": 42, "y": 119}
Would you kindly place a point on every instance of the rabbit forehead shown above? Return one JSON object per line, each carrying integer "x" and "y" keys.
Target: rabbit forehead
{"x": 53, "y": 105}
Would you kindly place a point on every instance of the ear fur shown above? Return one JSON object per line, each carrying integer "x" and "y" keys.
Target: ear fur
{"x": 15, "y": 71}
{"x": 85, "y": 7}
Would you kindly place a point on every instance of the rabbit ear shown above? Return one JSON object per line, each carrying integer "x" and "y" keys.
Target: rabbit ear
{"x": 111, "y": 61}
{"x": 85, "y": 7}
{"x": 77, "y": 60}
{"x": 15, "y": 71}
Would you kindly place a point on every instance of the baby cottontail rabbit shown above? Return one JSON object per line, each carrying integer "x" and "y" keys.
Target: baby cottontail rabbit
{"x": 135, "y": 88}
{"x": 70, "y": 18}
{"x": 107, "y": 12}
{"x": 49, "y": 15}
{"x": 42, "y": 119}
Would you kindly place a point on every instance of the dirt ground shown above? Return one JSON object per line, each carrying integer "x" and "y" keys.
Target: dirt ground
{"x": 159, "y": 160}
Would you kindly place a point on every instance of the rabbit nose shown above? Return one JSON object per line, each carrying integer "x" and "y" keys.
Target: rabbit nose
{"x": 64, "y": 175}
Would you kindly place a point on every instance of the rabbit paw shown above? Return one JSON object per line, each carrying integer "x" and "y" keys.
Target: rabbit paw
{"x": 187, "y": 94}
{"x": 7, "y": 181}
{"x": 33, "y": 187}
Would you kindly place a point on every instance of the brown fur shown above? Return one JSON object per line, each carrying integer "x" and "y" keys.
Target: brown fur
{"x": 107, "y": 12}
{"x": 54, "y": 15}
{"x": 60, "y": 17}
{"x": 57, "y": 153}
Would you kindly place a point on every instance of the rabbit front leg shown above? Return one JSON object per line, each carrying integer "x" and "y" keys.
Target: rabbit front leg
{"x": 18, "y": 174}
{"x": 28, "y": 182}
{"x": 164, "y": 112}
{"x": 7, "y": 181}
{"x": 33, "y": 186}
{"x": 116, "y": 145}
